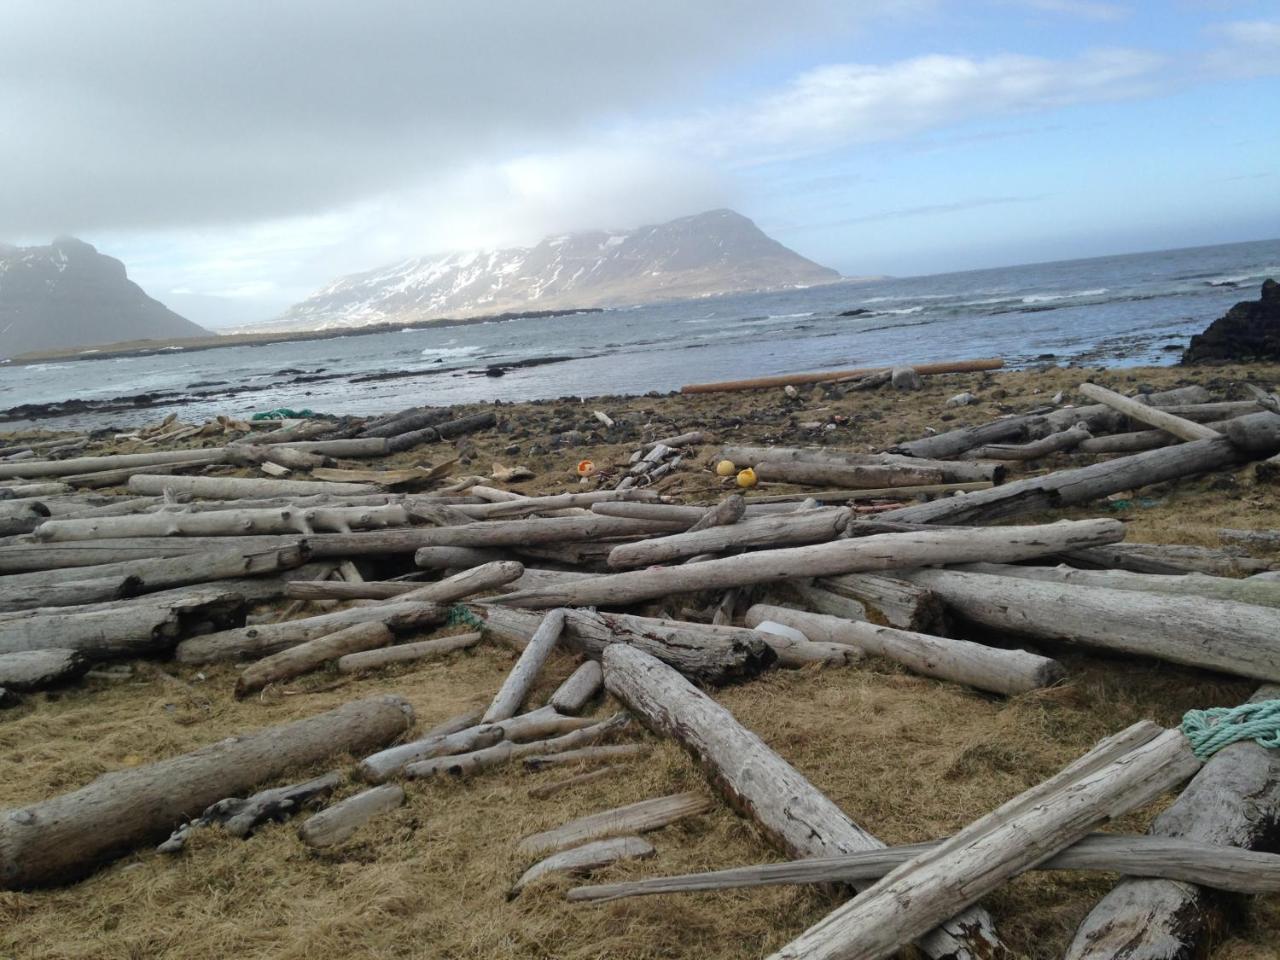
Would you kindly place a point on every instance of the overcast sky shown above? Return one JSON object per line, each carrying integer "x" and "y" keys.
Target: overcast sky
{"x": 238, "y": 154}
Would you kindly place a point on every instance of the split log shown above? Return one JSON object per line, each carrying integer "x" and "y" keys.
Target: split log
{"x": 712, "y": 655}
{"x": 1234, "y": 801}
{"x": 1008, "y": 672}
{"x": 226, "y": 523}
{"x": 455, "y": 558}
{"x": 506, "y": 703}
{"x": 577, "y": 780}
{"x": 1054, "y": 443}
{"x": 305, "y": 657}
{"x": 790, "y": 811}
{"x": 589, "y": 856}
{"x": 37, "y": 669}
{"x": 854, "y": 476}
{"x": 265, "y": 639}
{"x": 621, "y": 751}
{"x": 894, "y": 602}
{"x": 1258, "y": 592}
{"x": 884, "y": 552}
{"x": 1115, "y": 777}
{"x": 63, "y": 468}
{"x": 236, "y": 488}
{"x": 1252, "y": 437}
{"x": 240, "y": 817}
{"x": 952, "y": 471}
{"x": 66, "y": 837}
{"x": 1234, "y": 638}
{"x": 1154, "y": 416}
{"x": 406, "y": 653}
{"x": 1211, "y": 865}
{"x": 340, "y": 822}
{"x": 579, "y": 689}
{"x": 807, "y": 526}
{"x": 463, "y": 764}
{"x": 762, "y": 383}
{"x": 642, "y": 817}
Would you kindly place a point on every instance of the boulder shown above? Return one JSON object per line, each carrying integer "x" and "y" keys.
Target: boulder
{"x": 906, "y": 378}
{"x": 1248, "y": 331}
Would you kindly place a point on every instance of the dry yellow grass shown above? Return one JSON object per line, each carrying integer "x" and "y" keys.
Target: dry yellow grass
{"x": 907, "y": 757}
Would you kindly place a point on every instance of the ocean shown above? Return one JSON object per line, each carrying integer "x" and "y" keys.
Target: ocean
{"x": 1136, "y": 309}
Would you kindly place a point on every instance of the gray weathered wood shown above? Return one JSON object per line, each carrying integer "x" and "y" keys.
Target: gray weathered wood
{"x": 906, "y": 606}
{"x": 507, "y": 701}
{"x": 589, "y": 856}
{"x": 808, "y": 526}
{"x": 311, "y": 655}
{"x": 235, "y": 488}
{"x": 578, "y": 690}
{"x": 340, "y": 822}
{"x": 641, "y": 817}
{"x": 36, "y": 669}
{"x": 406, "y": 653}
{"x": 504, "y": 751}
{"x": 1151, "y": 415}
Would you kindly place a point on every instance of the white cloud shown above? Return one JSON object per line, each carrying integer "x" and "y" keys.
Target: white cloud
{"x": 1246, "y": 48}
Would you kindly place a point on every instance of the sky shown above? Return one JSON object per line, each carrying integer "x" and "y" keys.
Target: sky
{"x": 239, "y": 154}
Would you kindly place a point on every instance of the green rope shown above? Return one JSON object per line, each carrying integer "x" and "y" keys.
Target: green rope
{"x": 458, "y": 614}
{"x": 1210, "y": 730}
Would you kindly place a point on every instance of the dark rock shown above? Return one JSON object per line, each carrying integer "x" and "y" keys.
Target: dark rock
{"x": 1248, "y": 331}
{"x": 494, "y": 372}
{"x": 856, "y": 312}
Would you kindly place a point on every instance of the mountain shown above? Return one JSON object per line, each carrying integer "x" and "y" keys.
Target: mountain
{"x": 67, "y": 294}
{"x": 702, "y": 255}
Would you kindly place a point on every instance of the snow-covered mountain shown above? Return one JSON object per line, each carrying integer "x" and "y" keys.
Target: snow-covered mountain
{"x": 709, "y": 253}
{"x": 67, "y": 294}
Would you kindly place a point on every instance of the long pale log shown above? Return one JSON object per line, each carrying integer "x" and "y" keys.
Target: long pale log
{"x": 1211, "y": 865}
{"x": 1168, "y": 558}
{"x": 475, "y": 580}
{"x": 1258, "y": 592}
{"x": 794, "y": 649}
{"x": 589, "y": 856}
{"x": 642, "y": 817}
{"x": 1234, "y": 801}
{"x": 1220, "y": 635}
{"x": 952, "y": 471}
{"x": 516, "y": 686}
{"x": 883, "y": 552}
{"x": 1009, "y": 672}
{"x": 579, "y": 689}
{"x": 761, "y": 383}
{"x": 809, "y": 526}
{"x": 366, "y": 447}
{"x": 122, "y": 475}
{"x": 1016, "y": 837}
{"x": 226, "y": 523}
{"x": 507, "y": 750}
{"x": 529, "y": 505}
{"x": 790, "y": 811}
{"x": 265, "y": 639}
{"x": 235, "y": 488}
{"x": 53, "y": 488}
{"x": 846, "y": 475}
{"x": 1252, "y": 437}
{"x": 953, "y": 443}
{"x": 894, "y": 602}
{"x": 1138, "y": 440}
{"x": 312, "y": 655}
{"x": 539, "y": 530}
{"x": 63, "y": 468}
{"x": 406, "y": 653}
{"x": 66, "y": 837}
{"x": 1154, "y": 416}
{"x": 340, "y": 822}
{"x": 251, "y": 455}
{"x": 35, "y": 669}
{"x": 455, "y": 558}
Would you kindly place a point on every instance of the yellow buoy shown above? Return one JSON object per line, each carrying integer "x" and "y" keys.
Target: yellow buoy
{"x": 747, "y": 478}
{"x": 725, "y": 468}
{"x": 586, "y": 468}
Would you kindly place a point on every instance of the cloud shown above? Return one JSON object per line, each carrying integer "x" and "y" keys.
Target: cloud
{"x": 1245, "y": 48}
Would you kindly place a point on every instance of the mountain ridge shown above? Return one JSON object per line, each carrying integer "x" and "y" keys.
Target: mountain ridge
{"x": 706, "y": 254}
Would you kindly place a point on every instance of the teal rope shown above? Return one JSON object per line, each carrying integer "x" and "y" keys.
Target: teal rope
{"x": 1208, "y": 731}
{"x": 458, "y": 614}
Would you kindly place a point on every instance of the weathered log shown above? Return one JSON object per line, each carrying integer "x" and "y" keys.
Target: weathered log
{"x": 1258, "y": 592}
{"x": 407, "y": 423}
{"x": 953, "y": 443}
{"x": 21, "y": 516}
{"x": 226, "y": 523}
{"x": 66, "y": 837}
{"x": 1121, "y": 773}
{"x": 281, "y": 454}
{"x": 538, "y": 530}
{"x": 344, "y": 447}
{"x": 1211, "y": 865}
{"x": 790, "y": 811}
{"x": 713, "y": 655}
{"x": 122, "y": 475}
{"x": 1252, "y": 437}
{"x": 1009, "y": 672}
{"x": 506, "y": 703}
{"x": 761, "y": 383}
{"x": 875, "y": 493}
{"x": 406, "y": 653}
{"x": 452, "y": 428}
{"x": 952, "y": 471}
{"x": 503, "y": 751}
{"x": 1053, "y": 443}
{"x": 472, "y": 581}
{"x": 894, "y": 602}
{"x": 1168, "y": 558}
{"x": 641, "y": 817}
{"x": 579, "y": 689}
{"x": 507, "y": 509}
{"x": 340, "y": 822}
{"x": 19, "y": 491}
{"x": 728, "y": 511}
{"x": 1154, "y": 416}
{"x": 63, "y": 468}
{"x": 235, "y": 488}
{"x": 1137, "y": 440}
{"x": 1250, "y": 536}
{"x": 240, "y": 817}
{"x": 36, "y": 669}
{"x": 589, "y": 856}
{"x": 884, "y": 552}
{"x": 455, "y": 558}
{"x": 854, "y": 476}
{"x": 591, "y": 776}
{"x": 1234, "y": 801}
{"x": 794, "y": 649}
{"x": 584, "y": 755}
{"x": 1234, "y": 638}
{"x": 312, "y": 655}
{"x": 265, "y": 639}
{"x": 807, "y": 526}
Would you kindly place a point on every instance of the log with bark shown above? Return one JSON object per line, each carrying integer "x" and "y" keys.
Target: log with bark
{"x": 240, "y": 817}
{"x": 789, "y": 810}
{"x": 808, "y": 526}
{"x": 642, "y": 817}
{"x": 63, "y": 838}
{"x": 339, "y": 822}
{"x": 583, "y": 859}
{"x": 311, "y": 655}
{"x": 1058, "y": 442}
{"x": 883, "y": 552}
{"x": 452, "y": 428}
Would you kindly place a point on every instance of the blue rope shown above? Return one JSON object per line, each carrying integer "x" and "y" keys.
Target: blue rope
{"x": 1208, "y": 731}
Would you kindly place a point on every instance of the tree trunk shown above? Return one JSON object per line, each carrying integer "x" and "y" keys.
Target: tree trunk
{"x": 506, "y": 703}
{"x": 236, "y": 488}
{"x": 504, "y": 510}
{"x": 641, "y": 817}
{"x": 1153, "y": 416}
{"x": 808, "y": 526}
{"x": 589, "y": 856}
{"x": 1112, "y": 779}
{"x": 1008, "y": 672}
{"x": 1234, "y": 801}
{"x": 791, "y": 812}
{"x": 884, "y": 552}
{"x": 340, "y": 822}
{"x": 406, "y": 653}
{"x": 875, "y": 493}
{"x": 64, "y": 838}
{"x": 455, "y": 558}
{"x": 854, "y": 476}
{"x": 312, "y": 655}
{"x": 538, "y": 530}
{"x": 226, "y": 523}
{"x": 1234, "y": 638}
{"x": 1169, "y": 558}
{"x": 728, "y": 511}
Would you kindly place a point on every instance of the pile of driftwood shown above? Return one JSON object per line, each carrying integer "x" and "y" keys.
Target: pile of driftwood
{"x": 660, "y": 601}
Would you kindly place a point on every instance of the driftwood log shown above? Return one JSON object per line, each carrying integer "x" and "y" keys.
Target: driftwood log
{"x": 236, "y": 488}
{"x": 504, "y": 751}
{"x": 1153, "y": 416}
{"x": 240, "y": 817}
{"x": 340, "y": 821}
{"x": 35, "y": 669}
{"x": 406, "y": 653}
{"x": 641, "y": 817}
{"x": 311, "y": 655}
{"x": 510, "y": 696}
{"x": 894, "y": 602}
{"x": 589, "y": 856}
